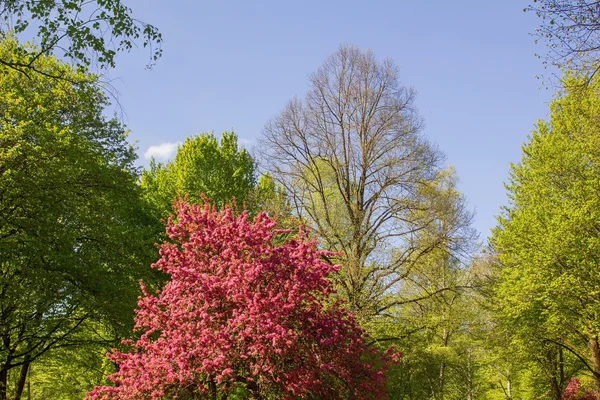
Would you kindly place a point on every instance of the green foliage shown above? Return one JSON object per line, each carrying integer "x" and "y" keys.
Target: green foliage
{"x": 270, "y": 197}
{"x": 547, "y": 238}
{"x": 85, "y": 31}
{"x": 202, "y": 166}
{"x": 75, "y": 234}
{"x": 319, "y": 188}
{"x": 436, "y": 311}
{"x": 441, "y": 353}
{"x": 68, "y": 373}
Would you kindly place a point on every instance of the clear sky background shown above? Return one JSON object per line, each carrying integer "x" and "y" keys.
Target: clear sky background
{"x": 232, "y": 65}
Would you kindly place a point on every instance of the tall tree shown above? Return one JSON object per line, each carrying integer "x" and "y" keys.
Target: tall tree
{"x": 351, "y": 157}
{"x": 85, "y": 32}
{"x": 75, "y": 234}
{"x": 434, "y": 321}
{"x": 513, "y": 362}
{"x": 547, "y": 238}
{"x": 206, "y": 166}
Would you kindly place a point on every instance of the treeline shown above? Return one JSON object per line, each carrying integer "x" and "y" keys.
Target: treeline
{"x": 516, "y": 318}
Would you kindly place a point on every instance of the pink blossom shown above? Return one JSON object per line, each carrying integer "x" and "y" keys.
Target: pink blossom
{"x": 241, "y": 310}
{"x": 573, "y": 391}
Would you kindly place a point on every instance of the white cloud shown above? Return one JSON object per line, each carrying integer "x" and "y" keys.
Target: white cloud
{"x": 162, "y": 152}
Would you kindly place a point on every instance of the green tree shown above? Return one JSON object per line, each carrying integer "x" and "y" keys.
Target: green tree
{"x": 513, "y": 363}
{"x": 270, "y": 197}
{"x": 434, "y": 311}
{"x": 85, "y": 32}
{"x": 75, "y": 233}
{"x": 547, "y": 237}
{"x": 205, "y": 166}
{"x": 67, "y": 373}
{"x": 500, "y": 363}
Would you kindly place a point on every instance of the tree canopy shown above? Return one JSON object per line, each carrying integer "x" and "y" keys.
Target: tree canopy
{"x": 203, "y": 166}
{"x": 571, "y": 30}
{"x": 547, "y": 238}
{"x": 241, "y": 314}
{"x": 85, "y": 32}
{"x": 75, "y": 234}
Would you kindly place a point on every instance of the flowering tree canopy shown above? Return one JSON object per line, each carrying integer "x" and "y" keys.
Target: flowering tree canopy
{"x": 573, "y": 391}
{"x": 243, "y": 317}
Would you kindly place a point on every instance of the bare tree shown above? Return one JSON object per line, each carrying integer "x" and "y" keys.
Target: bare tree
{"x": 353, "y": 161}
{"x": 571, "y": 29}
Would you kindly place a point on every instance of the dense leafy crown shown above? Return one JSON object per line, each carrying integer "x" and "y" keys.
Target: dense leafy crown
{"x": 220, "y": 169}
{"x": 547, "y": 239}
{"x": 242, "y": 315}
{"x": 74, "y": 229}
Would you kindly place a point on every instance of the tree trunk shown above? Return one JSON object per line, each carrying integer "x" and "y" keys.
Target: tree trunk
{"x": 469, "y": 376}
{"x": 23, "y": 377}
{"x": 507, "y": 391}
{"x": 212, "y": 388}
{"x": 5, "y": 367}
{"x": 3, "y": 382}
{"x": 441, "y": 379}
{"x": 254, "y": 390}
{"x": 553, "y": 365}
{"x": 443, "y": 365}
{"x": 595, "y": 350}
{"x": 561, "y": 367}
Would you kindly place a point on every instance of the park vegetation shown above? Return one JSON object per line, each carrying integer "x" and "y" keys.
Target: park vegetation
{"x": 340, "y": 264}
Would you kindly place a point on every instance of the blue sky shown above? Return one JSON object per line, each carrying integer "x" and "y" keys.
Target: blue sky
{"x": 232, "y": 65}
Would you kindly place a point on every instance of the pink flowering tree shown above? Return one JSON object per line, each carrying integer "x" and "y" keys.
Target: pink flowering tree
{"x": 243, "y": 317}
{"x": 573, "y": 391}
